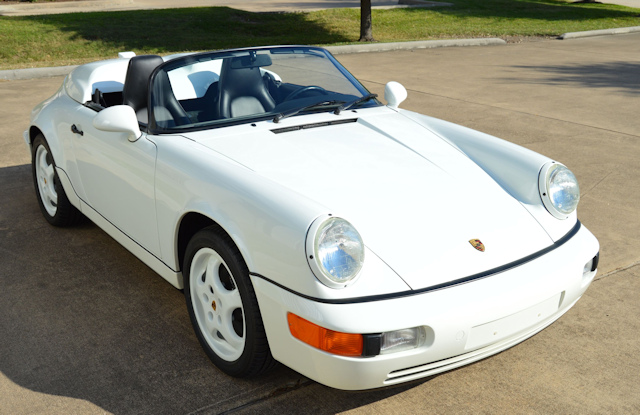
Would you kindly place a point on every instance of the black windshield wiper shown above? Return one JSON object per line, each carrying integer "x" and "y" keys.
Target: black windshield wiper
{"x": 320, "y": 104}
{"x": 348, "y": 105}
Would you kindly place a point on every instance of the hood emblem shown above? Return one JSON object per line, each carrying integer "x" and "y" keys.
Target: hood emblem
{"x": 477, "y": 244}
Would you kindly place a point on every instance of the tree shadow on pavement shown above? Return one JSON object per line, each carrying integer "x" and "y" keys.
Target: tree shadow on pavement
{"x": 624, "y": 77}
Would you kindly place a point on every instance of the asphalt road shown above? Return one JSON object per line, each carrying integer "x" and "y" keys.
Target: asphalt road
{"x": 86, "y": 328}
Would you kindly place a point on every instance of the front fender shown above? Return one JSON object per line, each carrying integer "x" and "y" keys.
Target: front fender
{"x": 267, "y": 221}
{"x": 513, "y": 167}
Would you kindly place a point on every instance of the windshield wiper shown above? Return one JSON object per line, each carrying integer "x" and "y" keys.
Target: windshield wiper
{"x": 289, "y": 113}
{"x": 348, "y": 105}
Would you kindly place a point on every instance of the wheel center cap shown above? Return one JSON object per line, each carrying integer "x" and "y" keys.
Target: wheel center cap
{"x": 213, "y": 305}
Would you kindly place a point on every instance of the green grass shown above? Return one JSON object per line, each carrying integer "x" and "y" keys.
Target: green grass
{"x": 67, "y": 39}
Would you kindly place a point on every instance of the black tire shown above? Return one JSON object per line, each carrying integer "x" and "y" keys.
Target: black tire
{"x": 223, "y": 307}
{"x": 53, "y": 201}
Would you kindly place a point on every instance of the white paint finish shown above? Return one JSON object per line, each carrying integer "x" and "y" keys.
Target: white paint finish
{"x": 52, "y": 117}
{"x": 447, "y": 312}
{"x": 107, "y": 75}
{"x": 118, "y": 119}
{"x": 118, "y": 177}
{"x": 514, "y": 168}
{"x": 267, "y": 221}
{"x": 381, "y": 174}
{"x": 394, "y": 94}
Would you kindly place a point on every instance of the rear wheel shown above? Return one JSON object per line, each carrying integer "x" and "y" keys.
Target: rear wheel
{"x": 53, "y": 201}
{"x": 223, "y": 307}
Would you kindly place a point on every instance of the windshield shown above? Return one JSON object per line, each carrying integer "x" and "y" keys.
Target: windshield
{"x": 232, "y": 87}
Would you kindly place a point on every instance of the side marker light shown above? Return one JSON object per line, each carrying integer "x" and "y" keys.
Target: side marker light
{"x": 343, "y": 344}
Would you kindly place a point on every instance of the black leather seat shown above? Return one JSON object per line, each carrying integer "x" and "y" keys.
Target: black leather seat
{"x": 136, "y": 85}
{"x": 242, "y": 90}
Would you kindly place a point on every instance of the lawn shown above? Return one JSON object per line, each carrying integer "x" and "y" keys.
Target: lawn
{"x": 67, "y": 39}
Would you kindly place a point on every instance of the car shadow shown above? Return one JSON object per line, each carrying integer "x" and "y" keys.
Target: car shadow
{"x": 81, "y": 317}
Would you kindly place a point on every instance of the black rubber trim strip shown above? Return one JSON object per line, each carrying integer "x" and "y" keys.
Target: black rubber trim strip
{"x": 464, "y": 280}
{"x": 313, "y": 125}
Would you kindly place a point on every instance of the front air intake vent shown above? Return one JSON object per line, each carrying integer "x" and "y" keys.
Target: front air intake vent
{"x": 314, "y": 125}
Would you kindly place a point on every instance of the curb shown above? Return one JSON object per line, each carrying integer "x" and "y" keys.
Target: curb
{"x": 419, "y": 44}
{"x": 604, "y": 32}
{"x": 36, "y": 73}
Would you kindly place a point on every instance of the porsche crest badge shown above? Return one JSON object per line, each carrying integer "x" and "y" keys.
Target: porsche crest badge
{"x": 477, "y": 244}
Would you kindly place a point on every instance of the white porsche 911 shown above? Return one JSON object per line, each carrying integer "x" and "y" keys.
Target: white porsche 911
{"x": 360, "y": 244}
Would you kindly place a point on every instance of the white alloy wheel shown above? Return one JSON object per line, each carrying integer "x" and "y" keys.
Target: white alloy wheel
{"x": 45, "y": 174}
{"x": 217, "y": 304}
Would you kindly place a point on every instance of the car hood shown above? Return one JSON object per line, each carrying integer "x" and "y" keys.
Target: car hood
{"x": 416, "y": 200}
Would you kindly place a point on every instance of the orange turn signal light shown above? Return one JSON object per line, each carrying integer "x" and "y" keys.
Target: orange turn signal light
{"x": 344, "y": 344}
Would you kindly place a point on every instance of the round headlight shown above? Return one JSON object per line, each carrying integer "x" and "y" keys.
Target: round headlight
{"x": 559, "y": 190}
{"x": 335, "y": 251}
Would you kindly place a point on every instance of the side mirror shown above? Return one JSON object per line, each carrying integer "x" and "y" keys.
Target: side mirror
{"x": 119, "y": 119}
{"x": 394, "y": 93}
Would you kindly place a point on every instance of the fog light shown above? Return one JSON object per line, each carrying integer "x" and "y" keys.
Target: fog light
{"x": 591, "y": 265}
{"x": 400, "y": 340}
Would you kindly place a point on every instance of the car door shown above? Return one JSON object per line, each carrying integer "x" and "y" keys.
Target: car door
{"x": 118, "y": 178}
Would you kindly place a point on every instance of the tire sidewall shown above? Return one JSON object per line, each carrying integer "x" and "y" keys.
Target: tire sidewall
{"x": 210, "y": 239}
{"x": 38, "y": 142}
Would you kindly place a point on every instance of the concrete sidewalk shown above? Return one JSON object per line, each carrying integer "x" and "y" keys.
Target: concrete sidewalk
{"x": 247, "y": 5}
{"x": 86, "y": 328}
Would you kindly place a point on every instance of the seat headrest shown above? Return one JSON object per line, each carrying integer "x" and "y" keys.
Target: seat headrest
{"x": 136, "y": 85}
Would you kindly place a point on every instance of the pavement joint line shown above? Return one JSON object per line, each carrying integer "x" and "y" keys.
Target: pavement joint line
{"x": 517, "y": 111}
{"x": 264, "y": 396}
{"x": 617, "y": 270}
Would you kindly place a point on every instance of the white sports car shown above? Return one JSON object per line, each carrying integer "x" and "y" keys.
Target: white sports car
{"x": 359, "y": 244}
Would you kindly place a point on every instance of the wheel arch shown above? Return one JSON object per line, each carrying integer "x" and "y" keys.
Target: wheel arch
{"x": 190, "y": 224}
{"x": 33, "y": 133}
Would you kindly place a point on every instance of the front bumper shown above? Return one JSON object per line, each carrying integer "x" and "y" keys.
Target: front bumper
{"x": 464, "y": 323}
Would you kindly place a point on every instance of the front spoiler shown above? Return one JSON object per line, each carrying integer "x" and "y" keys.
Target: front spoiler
{"x": 462, "y": 319}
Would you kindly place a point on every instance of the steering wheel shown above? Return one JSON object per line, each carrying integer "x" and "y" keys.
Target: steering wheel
{"x": 302, "y": 90}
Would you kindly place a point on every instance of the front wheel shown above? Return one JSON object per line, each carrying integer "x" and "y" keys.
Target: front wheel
{"x": 223, "y": 307}
{"x": 53, "y": 201}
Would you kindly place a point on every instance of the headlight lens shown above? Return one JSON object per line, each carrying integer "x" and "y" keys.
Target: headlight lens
{"x": 338, "y": 252}
{"x": 559, "y": 190}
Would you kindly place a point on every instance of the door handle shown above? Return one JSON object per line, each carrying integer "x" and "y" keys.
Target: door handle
{"x": 75, "y": 130}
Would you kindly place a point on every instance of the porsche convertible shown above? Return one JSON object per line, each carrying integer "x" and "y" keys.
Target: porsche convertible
{"x": 308, "y": 221}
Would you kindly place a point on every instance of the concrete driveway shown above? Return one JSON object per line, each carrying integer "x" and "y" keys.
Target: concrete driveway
{"x": 86, "y": 328}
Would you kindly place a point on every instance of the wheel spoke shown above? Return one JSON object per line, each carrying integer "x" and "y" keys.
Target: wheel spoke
{"x": 51, "y": 191}
{"x": 49, "y": 171}
{"x": 42, "y": 163}
{"x": 215, "y": 305}
{"x": 231, "y": 299}
{"x": 230, "y": 336}
{"x": 212, "y": 277}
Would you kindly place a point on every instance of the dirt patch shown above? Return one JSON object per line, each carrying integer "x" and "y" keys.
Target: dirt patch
{"x": 526, "y": 39}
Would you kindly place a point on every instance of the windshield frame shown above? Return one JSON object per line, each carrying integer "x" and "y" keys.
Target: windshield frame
{"x": 190, "y": 59}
